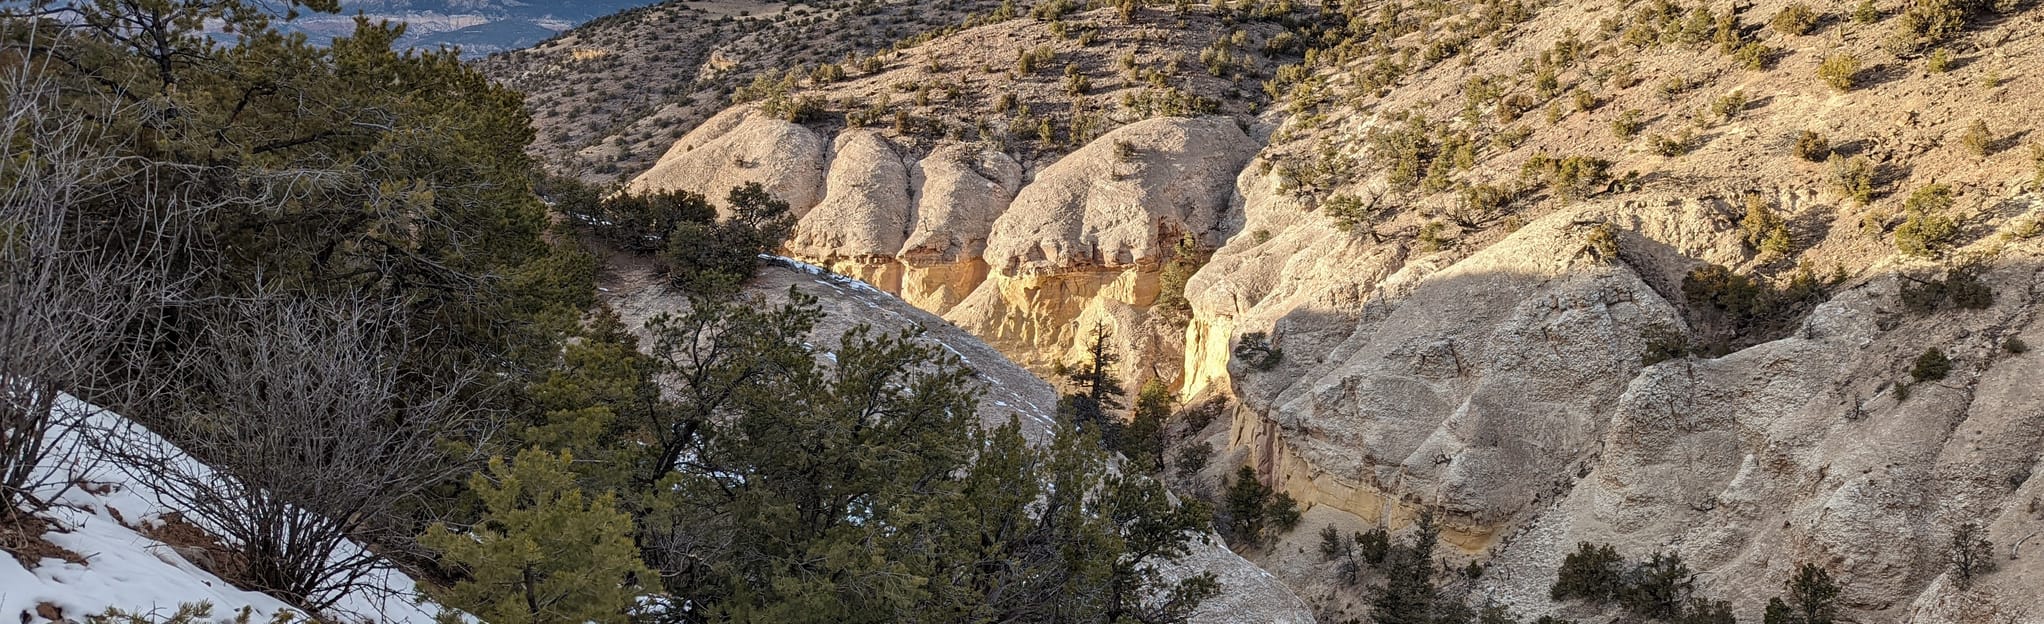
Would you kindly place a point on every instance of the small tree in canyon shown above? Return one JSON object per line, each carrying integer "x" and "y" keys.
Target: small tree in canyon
{"x": 1097, "y": 391}
{"x": 1971, "y": 554}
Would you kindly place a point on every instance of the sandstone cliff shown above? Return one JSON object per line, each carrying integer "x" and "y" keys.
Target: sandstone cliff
{"x": 1507, "y": 389}
{"x": 1029, "y": 266}
{"x": 1468, "y": 324}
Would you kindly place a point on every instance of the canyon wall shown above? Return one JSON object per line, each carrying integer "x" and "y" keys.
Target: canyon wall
{"x": 1505, "y": 388}
{"x": 1031, "y": 261}
{"x": 1499, "y": 381}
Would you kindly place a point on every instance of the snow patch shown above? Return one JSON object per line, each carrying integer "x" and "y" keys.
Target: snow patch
{"x": 129, "y": 571}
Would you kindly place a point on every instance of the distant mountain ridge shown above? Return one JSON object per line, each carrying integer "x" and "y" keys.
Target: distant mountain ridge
{"x": 477, "y": 27}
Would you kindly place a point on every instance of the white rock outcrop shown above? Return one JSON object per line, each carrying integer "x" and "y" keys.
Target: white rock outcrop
{"x": 1027, "y": 261}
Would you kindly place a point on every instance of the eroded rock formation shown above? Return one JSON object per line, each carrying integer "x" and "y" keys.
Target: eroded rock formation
{"x": 1498, "y": 380}
{"x": 1029, "y": 261}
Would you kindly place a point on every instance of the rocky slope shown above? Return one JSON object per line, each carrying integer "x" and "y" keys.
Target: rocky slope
{"x": 1497, "y": 371}
{"x": 1474, "y": 323}
{"x": 610, "y": 96}
{"x": 1029, "y": 235}
{"x": 1508, "y": 390}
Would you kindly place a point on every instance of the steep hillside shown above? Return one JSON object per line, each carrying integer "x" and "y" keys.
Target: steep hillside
{"x": 1480, "y": 343}
{"x": 1752, "y": 284}
{"x": 1029, "y": 207}
{"x": 115, "y": 545}
{"x": 1461, "y": 333}
{"x": 607, "y": 98}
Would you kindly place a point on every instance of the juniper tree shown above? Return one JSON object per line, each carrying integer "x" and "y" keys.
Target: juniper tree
{"x": 1593, "y": 573}
{"x": 1244, "y": 506}
{"x": 1143, "y": 441}
{"x": 1660, "y": 587}
{"x": 705, "y": 257}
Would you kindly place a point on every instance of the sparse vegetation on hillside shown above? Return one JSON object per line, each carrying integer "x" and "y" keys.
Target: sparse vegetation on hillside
{"x": 1932, "y": 365}
{"x": 1350, "y": 214}
{"x": 1840, "y": 72}
{"x": 1812, "y": 146}
{"x": 1939, "y": 61}
{"x": 1960, "y": 289}
{"x": 1569, "y": 177}
{"x": 1673, "y": 145}
{"x": 1186, "y": 258}
{"x": 1795, "y": 19}
{"x": 1927, "y": 230}
{"x": 1628, "y": 123}
{"x": 1732, "y": 311}
{"x": 1852, "y": 177}
{"x": 2037, "y": 163}
{"x": 611, "y": 95}
{"x": 1929, "y": 22}
{"x": 1255, "y": 349}
{"x": 1765, "y": 231}
{"x": 1729, "y": 106}
{"x": 1977, "y": 139}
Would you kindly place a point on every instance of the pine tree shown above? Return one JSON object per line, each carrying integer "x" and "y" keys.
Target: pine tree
{"x": 1591, "y": 573}
{"x": 544, "y": 552}
{"x": 1373, "y": 546}
{"x": 1099, "y": 390}
{"x": 1409, "y": 595}
{"x": 709, "y": 359}
{"x": 705, "y": 257}
{"x": 1333, "y": 545}
{"x": 1244, "y": 502}
{"x": 601, "y": 386}
{"x": 811, "y": 504}
{"x": 1660, "y": 587}
{"x": 785, "y": 490}
{"x": 1812, "y": 596}
{"x": 1777, "y": 612}
{"x": 1282, "y": 513}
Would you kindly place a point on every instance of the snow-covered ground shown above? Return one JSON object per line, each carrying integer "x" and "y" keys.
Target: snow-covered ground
{"x": 98, "y": 509}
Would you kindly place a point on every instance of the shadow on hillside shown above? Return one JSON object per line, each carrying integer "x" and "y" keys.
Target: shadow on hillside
{"x": 1855, "y": 147}
{"x": 1882, "y": 73}
{"x": 2009, "y": 141}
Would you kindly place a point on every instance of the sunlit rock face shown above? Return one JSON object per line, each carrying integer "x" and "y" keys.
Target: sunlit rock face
{"x": 1031, "y": 262}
